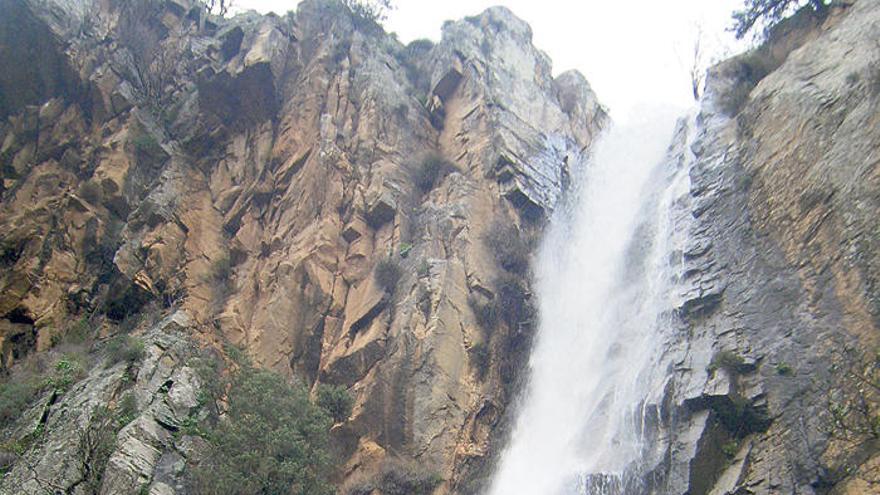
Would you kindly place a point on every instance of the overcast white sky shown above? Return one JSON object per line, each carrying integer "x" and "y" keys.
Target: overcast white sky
{"x": 633, "y": 52}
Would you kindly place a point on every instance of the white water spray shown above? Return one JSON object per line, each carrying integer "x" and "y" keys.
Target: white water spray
{"x": 602, "y": 277}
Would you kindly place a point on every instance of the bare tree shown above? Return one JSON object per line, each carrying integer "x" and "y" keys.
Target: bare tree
{"x": 218, "y": 7}
{"x": 698, "y": 66}
{"x": 151, "y": 65}
{"x": 372, "y": 10}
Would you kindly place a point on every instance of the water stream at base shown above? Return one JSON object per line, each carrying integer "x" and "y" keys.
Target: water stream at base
{"x": 603, "y": 277}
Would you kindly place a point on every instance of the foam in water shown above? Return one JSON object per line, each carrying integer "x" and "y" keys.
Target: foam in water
{"x": 602, "y": 278}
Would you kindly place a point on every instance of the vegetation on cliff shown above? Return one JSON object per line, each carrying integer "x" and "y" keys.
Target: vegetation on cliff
{"x": 271, "y": 439}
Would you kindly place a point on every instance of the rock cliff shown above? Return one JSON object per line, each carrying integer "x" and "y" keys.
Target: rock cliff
{"x": 352, "y": 211}
{"x": 775, "y": 363}
{"x": 198, "y": 181}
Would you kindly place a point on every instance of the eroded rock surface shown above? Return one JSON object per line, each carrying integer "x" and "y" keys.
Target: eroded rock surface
{"x": 250, "y": 173}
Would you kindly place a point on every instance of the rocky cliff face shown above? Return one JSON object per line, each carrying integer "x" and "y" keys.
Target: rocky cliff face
{"x": 774, "y": 366}
{"x": 197, "y": 180}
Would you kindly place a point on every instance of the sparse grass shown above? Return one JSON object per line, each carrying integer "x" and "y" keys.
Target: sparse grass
{"x": 508, "y": 246}
{"x": 387, "y": 274}
{"x": 125, "y": 348}
{"x": 16, "y": 395}
{"x": 56, "y": 370}
{"x": 427, "y": 173}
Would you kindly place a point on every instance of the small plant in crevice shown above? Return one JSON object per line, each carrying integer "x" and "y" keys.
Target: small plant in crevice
{"x": 509, "y": 248}
{"x": 335, "y": 400}
{"x": 727, "y": 360}
{"x": 480, "y": 357}
{"x": 428, "y": 172}
{"x": 730, "y": 449}
{"x": 424, "y": 269}
{"x": 67, "y": 371}
{"x": 784, "y": 369}
{"x": 405, "y": 249}
{"x": 387, "y": 274}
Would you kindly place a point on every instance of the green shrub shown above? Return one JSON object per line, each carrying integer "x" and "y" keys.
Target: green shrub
{"x": 67, "y": 371}
{"x": 405, "y": 249}
{"x": 508, "y": 246}
{"x": 336, "y": 401}
{"x": 387, "y": 274}
{"x": 430, "y": 171}
{"x": 125, "y": 348}
{"x": 272, "y": 440}
{"x": 784, "y": 369}
{"x": 730, "y": 449}
{"x": 727, "y": 360}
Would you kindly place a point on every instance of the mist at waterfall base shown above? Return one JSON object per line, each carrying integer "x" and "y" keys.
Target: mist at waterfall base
{"x": 602, "y": 279}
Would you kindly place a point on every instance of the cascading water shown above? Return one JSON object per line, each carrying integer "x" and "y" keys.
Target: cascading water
{"x": 603, "y": 277}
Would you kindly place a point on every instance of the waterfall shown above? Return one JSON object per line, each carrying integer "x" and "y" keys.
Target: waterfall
{"x": 603, "y": 277}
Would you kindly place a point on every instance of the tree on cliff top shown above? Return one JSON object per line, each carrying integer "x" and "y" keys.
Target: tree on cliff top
{"x": 768, "y": 13}
{"x": 372, "y": 10}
